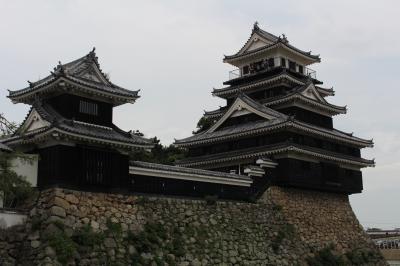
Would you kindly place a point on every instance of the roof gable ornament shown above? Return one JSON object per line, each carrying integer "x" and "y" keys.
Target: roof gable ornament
{"x": 255, "y": 26}
{"x": 311, "y": 92}
{"x": 32, "y": 122}
{"x": 244, "y": 105}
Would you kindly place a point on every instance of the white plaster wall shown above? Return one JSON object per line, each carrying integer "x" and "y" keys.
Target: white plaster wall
{"x": 27, "y": 168}
{"x": 10, "y": 218}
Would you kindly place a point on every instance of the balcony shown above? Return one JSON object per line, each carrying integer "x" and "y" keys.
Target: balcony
{"x": 270, "y": 64}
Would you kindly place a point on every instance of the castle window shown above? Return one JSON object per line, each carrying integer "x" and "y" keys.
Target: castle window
{"x": 88, "y": 108}
{"x": 246, "y": 70}
{"x": 283, "y": 62}
{"x": 271, "y": 62}
{"x": 292, "y": 65}
{"x": 301, "y": 70}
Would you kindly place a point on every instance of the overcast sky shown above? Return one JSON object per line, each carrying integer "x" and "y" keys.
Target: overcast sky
{"x": 172, "y": 51}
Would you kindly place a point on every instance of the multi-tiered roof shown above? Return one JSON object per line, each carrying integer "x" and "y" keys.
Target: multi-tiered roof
{"x": 277, "y": 110}
{"x": 83, "y": 77}
{"x": 47, "y": 119}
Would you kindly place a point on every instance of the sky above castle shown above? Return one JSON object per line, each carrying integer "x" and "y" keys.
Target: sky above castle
{"x": 172, "y": 51}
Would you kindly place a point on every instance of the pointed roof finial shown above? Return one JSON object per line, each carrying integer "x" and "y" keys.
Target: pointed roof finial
{"x": 61, "y": 67}
{"x": 284, "y": 38}
{"x": 255, "y": 25}
{"x": 93, "y": 52}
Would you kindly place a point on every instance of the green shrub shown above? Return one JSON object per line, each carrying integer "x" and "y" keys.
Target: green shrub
{"x": 277, "y": 208}
{"x": 36, "y": 223}
{"x": 86, "y": 237}
{"x": 114, "y": 229}
{"x": 286, "y": 231}
{"x": 326, "y": 257}
{"x": 64, "y": 246}
{"x": 59, "y": 224}
{"x": 362, "y": 256}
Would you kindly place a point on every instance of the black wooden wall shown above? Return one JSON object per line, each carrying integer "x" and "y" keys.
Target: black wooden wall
{"x": 319, "y": 176}
{"x": 82, "y": 167}
{"x": 68, "y": 106}
{"x": 175, "y": 187}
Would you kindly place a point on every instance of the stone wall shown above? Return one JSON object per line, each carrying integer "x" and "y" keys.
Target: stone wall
{"x": 285, "y": 227}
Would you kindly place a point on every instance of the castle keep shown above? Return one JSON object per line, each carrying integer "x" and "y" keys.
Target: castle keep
{"x": 277, "y": 125}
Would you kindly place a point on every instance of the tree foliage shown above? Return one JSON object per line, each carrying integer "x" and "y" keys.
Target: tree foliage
{"x": 7, "y": 127}
{"x": 14, "y": 189}
{"x": 159, "y": 154}
{"x": 203, "y": 124}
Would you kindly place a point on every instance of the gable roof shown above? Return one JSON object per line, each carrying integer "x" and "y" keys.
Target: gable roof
{"x": 56, "y": 126}
{"x": 268, "y": 41}
{"x": 307, "y": 95}
{"x": 84, "y": 75}
{"x": 244, "y": 102}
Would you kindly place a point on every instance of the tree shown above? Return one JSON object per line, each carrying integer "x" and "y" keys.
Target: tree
{"x": 14, "y": 189}
{"x": 203, "y": 124}
{"x": 159, "y": 154}
{"x": 7, "y": 127}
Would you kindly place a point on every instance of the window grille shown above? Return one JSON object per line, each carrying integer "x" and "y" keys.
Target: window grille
{"x": 88, "y": 108}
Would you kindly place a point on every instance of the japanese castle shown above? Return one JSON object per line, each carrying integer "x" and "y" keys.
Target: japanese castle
{"x": 277, "y": 124}
{"x": 276, "y": 129}
{"x": 70, "y": 126}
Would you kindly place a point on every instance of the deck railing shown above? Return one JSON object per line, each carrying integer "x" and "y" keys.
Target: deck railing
{"x": 237, "y": 73}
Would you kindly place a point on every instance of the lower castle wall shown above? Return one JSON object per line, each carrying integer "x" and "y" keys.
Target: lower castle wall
{"x": 285, "y": 227}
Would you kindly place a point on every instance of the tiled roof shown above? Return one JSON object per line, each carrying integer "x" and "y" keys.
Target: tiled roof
{"x": 230, "y": 131}
{"x": 296, "y": 94}
{"x": 82, "y": 129}
{"x": 83, "y": 72}
{"x": 186, "y": 170}
{"x": 258, "y": 127}
{"x": 280, "y": 121}
{"x": 282, "y": 75}
{"x": 275, "y": 41}
{"x": 268, "y": 150}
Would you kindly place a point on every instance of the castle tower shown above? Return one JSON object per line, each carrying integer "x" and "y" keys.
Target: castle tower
{"x": 70, "y": 125}
{"x": 277, "y": 124}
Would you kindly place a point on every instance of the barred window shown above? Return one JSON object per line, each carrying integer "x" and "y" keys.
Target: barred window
{"x": 88, "y": 108}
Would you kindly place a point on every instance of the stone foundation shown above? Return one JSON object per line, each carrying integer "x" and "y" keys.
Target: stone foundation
{"x": 285, "y": 227}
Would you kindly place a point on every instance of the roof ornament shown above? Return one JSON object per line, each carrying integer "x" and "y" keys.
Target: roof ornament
{"x": 30, "y": 84}
{"x": 255, "y": 26}
{"x": 92, "y": 54}
{"x": 61, "y": 68}
{"x": 284, "y": 38}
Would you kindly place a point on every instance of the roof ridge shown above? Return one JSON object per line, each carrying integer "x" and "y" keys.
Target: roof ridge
{"x": 260, "y": 106}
